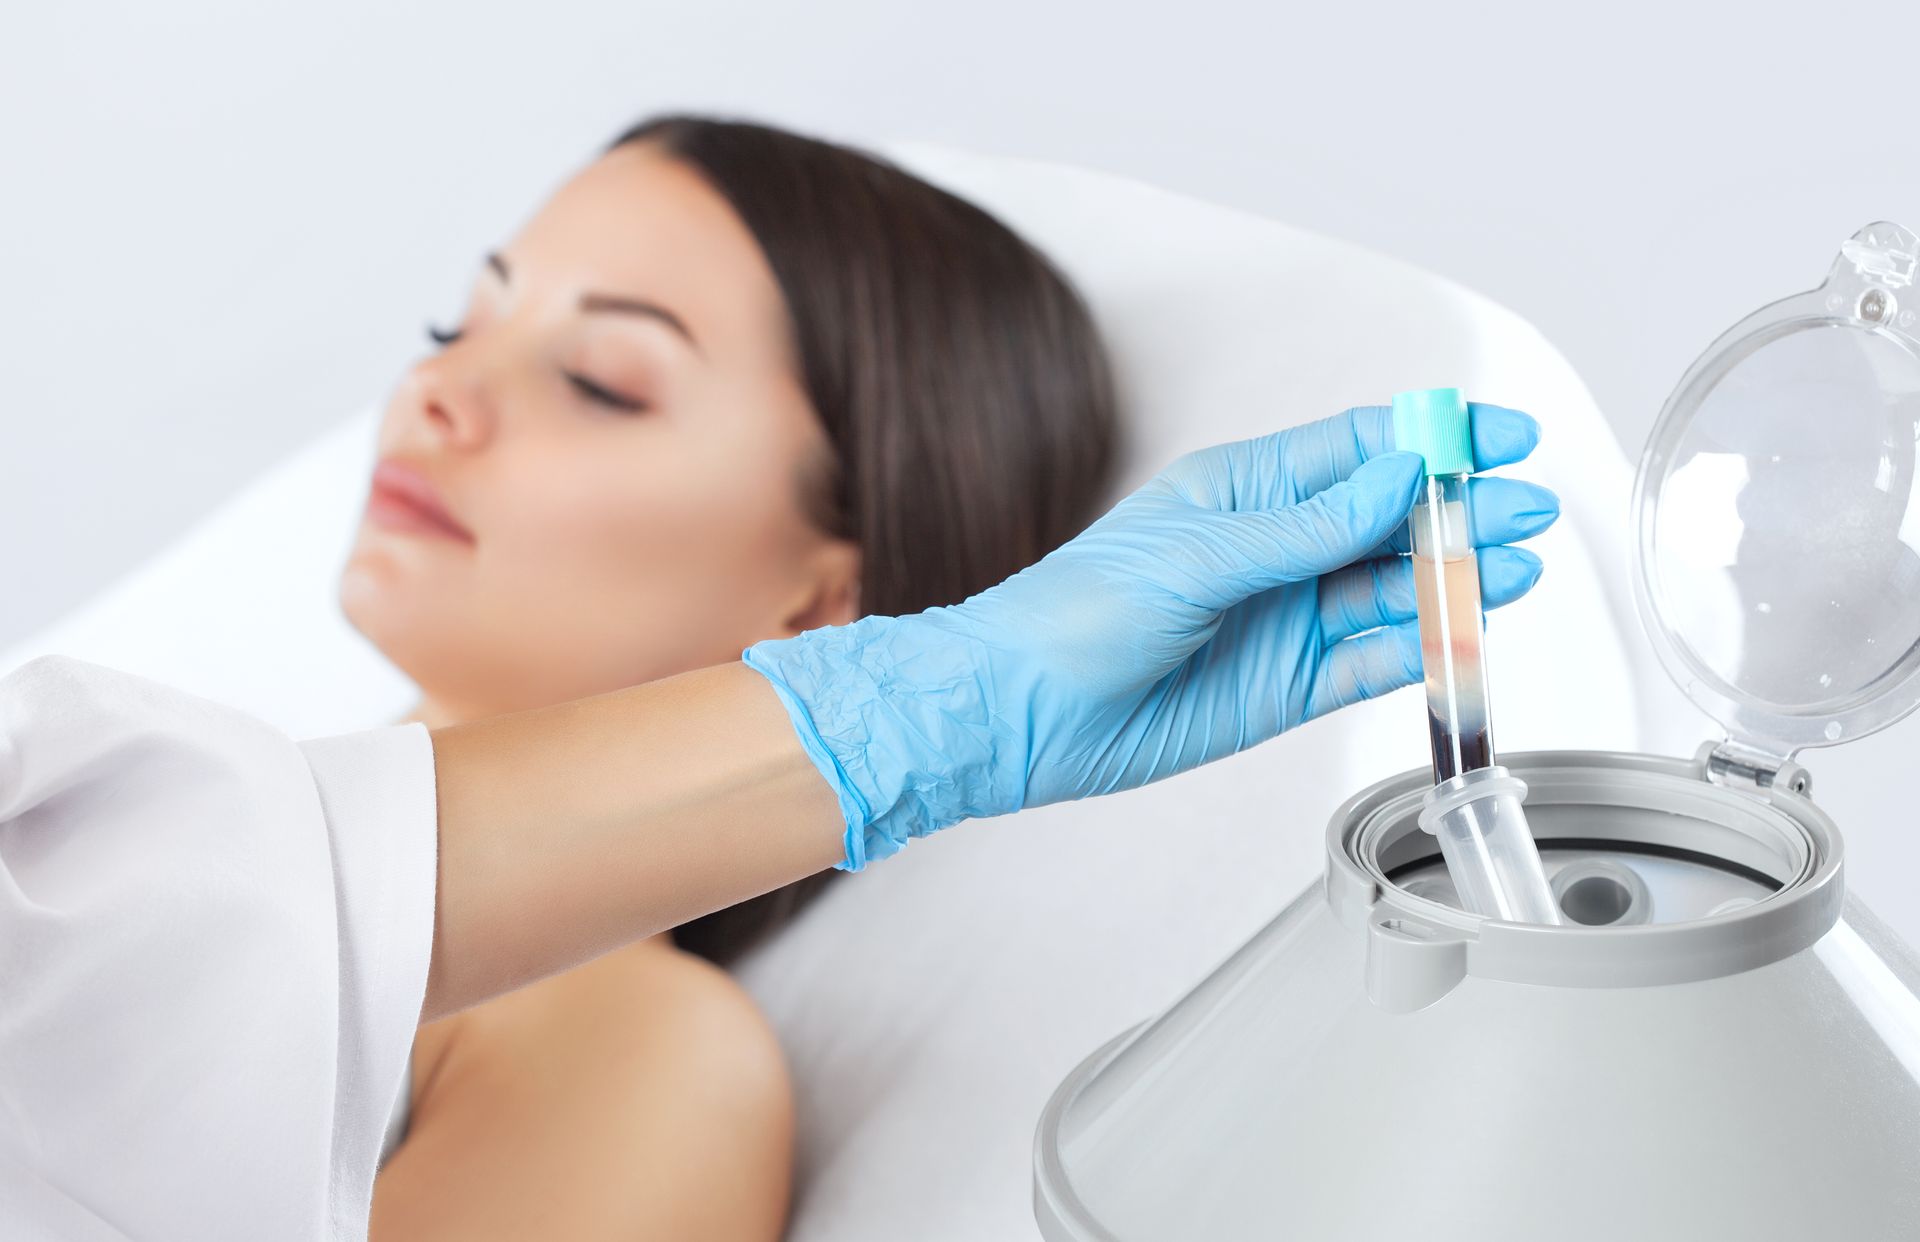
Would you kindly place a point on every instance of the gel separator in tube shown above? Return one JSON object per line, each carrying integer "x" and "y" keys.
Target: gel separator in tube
{"x": 1474, "y": 808}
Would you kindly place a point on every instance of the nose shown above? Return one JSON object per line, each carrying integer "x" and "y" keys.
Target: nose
{"x": 452, "y": 400}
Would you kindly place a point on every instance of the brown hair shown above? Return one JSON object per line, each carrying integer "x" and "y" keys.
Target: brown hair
{"x": 959, "y": 378}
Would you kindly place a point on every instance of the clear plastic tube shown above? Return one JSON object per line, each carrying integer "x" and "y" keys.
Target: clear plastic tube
{"x": 1488, "y": 847}
{"x": 1474, "y": 808}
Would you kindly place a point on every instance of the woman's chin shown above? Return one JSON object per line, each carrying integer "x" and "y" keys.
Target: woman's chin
{"x": 376, "y": 600}
{"x": 413, "y": 626}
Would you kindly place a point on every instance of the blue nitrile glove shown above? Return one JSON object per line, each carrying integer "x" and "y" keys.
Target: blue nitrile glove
{"x": 1215, "y": 607}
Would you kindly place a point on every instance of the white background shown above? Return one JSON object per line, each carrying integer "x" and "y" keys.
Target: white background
{"x": 223, "y": 225}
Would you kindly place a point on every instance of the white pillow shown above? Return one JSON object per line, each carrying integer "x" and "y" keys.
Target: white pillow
{"x": 930, "y": 1005}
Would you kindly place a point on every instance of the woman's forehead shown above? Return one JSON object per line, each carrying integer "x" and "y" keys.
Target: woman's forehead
{"x": 637, "y": 222}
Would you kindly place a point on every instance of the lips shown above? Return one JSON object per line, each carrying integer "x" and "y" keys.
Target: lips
{"x": 402, "y": 499}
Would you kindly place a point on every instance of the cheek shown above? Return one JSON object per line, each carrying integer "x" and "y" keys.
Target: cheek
{"x": 672, "y": 539}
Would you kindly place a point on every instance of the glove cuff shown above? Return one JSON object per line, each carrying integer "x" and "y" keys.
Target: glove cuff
{"x": 897, "y": 716}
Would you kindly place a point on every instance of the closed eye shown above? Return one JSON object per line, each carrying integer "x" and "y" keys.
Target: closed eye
{"x": 606, "y": 396}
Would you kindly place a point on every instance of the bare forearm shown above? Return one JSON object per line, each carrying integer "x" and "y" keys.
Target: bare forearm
{"x": 571, "y": 830}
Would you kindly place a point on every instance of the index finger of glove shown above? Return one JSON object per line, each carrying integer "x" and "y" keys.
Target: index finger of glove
{"x": 1323, "y": 453}
{"x": 1290, "y": 466}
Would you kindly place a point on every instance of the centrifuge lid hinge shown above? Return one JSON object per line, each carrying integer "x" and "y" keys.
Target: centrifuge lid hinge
{"x": 1883, "y": 254}
{"x": 1737, "y": 765}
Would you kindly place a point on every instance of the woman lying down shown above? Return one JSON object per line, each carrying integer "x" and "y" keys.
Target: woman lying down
{"x": 727, "y": 384}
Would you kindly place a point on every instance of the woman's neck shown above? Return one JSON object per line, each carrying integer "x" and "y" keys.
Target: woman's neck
{"x": 433, "y": 714}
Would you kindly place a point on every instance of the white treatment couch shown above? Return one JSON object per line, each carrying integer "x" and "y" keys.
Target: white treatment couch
{"x": 930, "y": 1004}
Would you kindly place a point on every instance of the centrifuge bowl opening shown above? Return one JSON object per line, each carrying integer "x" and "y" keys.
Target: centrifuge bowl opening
{"x": 1622, "y": 847}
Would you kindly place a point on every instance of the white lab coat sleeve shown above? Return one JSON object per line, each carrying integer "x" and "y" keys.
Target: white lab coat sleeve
{"x": 213, "y": 951}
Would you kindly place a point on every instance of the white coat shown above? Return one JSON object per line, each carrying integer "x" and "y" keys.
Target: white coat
{"x": 213, "y": 952}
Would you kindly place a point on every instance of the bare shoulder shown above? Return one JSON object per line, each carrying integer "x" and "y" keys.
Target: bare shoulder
{"x": 674, "y": 1017}
{"x": 640, "y": 1096}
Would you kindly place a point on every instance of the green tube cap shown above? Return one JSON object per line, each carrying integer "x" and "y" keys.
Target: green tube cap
{"x": 1433, "y": 422}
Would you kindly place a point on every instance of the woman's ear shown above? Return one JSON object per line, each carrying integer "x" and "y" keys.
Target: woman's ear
{"x": 833, "y": 594}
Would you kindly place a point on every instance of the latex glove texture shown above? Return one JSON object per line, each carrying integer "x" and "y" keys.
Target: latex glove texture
{"x": 1247, "y": 588}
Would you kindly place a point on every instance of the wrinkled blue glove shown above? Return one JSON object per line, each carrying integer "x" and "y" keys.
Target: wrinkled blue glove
{"x": 1246, "y": 589}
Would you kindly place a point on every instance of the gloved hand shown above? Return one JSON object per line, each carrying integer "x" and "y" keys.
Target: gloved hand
{"x": 1246, "y": 589}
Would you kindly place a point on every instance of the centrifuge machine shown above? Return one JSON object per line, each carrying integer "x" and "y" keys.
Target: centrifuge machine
{"x": 1718, "y": 1043}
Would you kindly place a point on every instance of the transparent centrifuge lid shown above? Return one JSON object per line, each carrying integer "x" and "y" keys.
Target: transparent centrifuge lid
{"x": 1777, "y": 510}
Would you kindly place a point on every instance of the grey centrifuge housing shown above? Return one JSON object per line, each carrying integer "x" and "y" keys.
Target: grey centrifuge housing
{"x": 1719, "y": 1043}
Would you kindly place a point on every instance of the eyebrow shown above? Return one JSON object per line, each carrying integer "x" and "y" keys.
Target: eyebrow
{"x": 608, "y": 303}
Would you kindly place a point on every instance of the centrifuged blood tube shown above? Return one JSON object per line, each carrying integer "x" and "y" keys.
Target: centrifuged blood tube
{"x": 1446, "y": 585}
{"x": 1483, "y": 833}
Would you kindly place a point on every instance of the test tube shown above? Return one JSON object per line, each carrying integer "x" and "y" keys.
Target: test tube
{"x": 1475, "y": 806}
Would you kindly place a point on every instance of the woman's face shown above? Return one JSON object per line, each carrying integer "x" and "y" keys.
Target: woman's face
{"x": 600, "y": 481}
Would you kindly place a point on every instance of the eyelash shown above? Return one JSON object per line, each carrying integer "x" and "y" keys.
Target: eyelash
{"x": 581, "y": 384}
{"x": 602, "y": 396}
